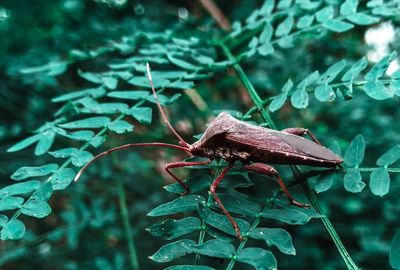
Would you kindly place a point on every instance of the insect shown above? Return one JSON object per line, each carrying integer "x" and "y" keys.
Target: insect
{"x": 234, "y": 140}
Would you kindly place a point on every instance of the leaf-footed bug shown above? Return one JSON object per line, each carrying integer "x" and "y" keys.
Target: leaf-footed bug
{"x": 234, "y": 140}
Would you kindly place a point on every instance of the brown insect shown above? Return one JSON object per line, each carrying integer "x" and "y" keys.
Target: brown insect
{"x": 234, "y": 140}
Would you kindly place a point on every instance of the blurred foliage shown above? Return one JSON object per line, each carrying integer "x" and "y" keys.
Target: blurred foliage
{"x": 283, "y": 64}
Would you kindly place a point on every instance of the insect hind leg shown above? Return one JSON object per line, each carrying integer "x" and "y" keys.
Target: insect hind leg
{"x": 301, "y": 132}
{"x": 265, "y": 169}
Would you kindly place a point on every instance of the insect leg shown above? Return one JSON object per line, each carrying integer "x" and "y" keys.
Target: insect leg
{"x": 301, "y": 132}
{"x": 262, "y": 168}
{"x": 180, "y": 164}
{"x": 213, "y": 189}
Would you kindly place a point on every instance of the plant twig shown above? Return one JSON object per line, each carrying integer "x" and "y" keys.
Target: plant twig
{"x": 217, "y": 14}
{"x": 127, "y": 225}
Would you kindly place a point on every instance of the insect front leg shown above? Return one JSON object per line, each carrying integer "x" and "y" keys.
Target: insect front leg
{"x": 262, "y": 168}
{"x": 181, "y": 164}
{"x": 213, "y": 189}
{"x": 301, "y": 132}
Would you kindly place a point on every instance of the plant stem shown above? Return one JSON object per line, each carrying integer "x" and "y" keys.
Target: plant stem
{"x": 296, "y": 171}
{"x": 249, "y": 86}
{"x": 127, "y": 225}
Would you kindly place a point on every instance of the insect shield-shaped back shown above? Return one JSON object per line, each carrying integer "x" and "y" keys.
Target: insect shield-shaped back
{"x": 231, "y": 139}
{"x": 213, "y": 144}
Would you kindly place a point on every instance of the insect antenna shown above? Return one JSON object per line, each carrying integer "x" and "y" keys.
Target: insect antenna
{"x": 129, "y": 145}
{"x": 166, "y": 121}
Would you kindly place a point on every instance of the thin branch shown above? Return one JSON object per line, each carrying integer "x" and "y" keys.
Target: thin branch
{"x": 217, "y": 14}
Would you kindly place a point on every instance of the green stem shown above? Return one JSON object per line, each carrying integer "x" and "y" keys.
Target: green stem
{"x": 201, "y": 240}
{"x": 296, "y": 171}
{"x": 249, "y": 86}
{"x": 127, "y": 225}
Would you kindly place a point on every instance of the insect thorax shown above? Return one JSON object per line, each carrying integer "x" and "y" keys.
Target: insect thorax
{"x": 225, "y": 152}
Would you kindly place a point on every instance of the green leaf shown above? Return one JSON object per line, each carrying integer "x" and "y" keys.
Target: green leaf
{"x": 120, "y": 126}
{"x": 26, "y": 172}
{"x": 352, "y": 180}
{"x": 221, "y": 222}
{"x": 265, "y": 49}
{"x": 394, "y": 252}
{"x": 62, "y": 178}
{"x": 379, "y": 181}
{"x": 278, "y": 102}
{"x": 348, "y": 7}
{"x": 325, "y": 93}
{"x": 377, "y": 90}
{"x": 215, "y": 248}
{"x": 305, "y": 21}
{"x": 203, "y": 59}
{"x": 45, "y": 142}
{"x": 235, "y": 204}
{"x": 284, "y": 4}
{"x": 189, "y": 267}
{"x": 180, "y": 205}
{"x": 105, "y": 108}
{"x": 142, "y": 114}
{"x": 97, "y": 140}
{"x": 385, "y": 11}
{"x": 181, "y": 63}
{"x": 285, "y": 42}
{"x": 94, "y": 93}
{"x": 13, "y": 230}
{"x": 266, "y": 34}
{"x": 299, "y": 98}
{"x": 11, "y": 203}
{"x": 310, "y": 79}
{"x": 290, "y": 216}
{"x": 144, "y": 82}
{"x": 35, "y": 208}
{"x": 172, "y": 228}
{"x": 25, "y": 143}
{"x": 20, "y": 188}
{"x": 277, "y": 237}
{"x": 81, "y": 135}
{"x": 355, "y": 70}
{"x": 379, "y": 69}
{"x": 91, "y": 77}
{"x": 332, "y": 72}
{"x": 287, "y": 86}
{"x": 325, "y": 182}
{"x": 3, "y": 220}
{"x": 395, "y": 87}
{"x": 163, "y": 99}
{"x": 284, "y": 27}
{"x": 362, "y": 19}
{"x": 131, "y": 95}
{"x": 324, "y": 14}
{"x": 181, "y": 85}
{"x": 389, "y": 157}
{"x": 51, "y": 69}
{"x": 259, "y": 258}
{"x": 44, "y": 192}
{"x": 196, "y": 184}
{"x": 78, "y": 158}
{"x": 355, "y": 152}
{"x": 109, "y": 82}
{"x": 173, "y": 251}
{"x": 92, "y": 122}
{"x": 337, "y": 25}
{"x": 267, "y": 7}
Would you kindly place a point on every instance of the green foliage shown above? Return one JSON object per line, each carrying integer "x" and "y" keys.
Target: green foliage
{"x": 103, "y": 97}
